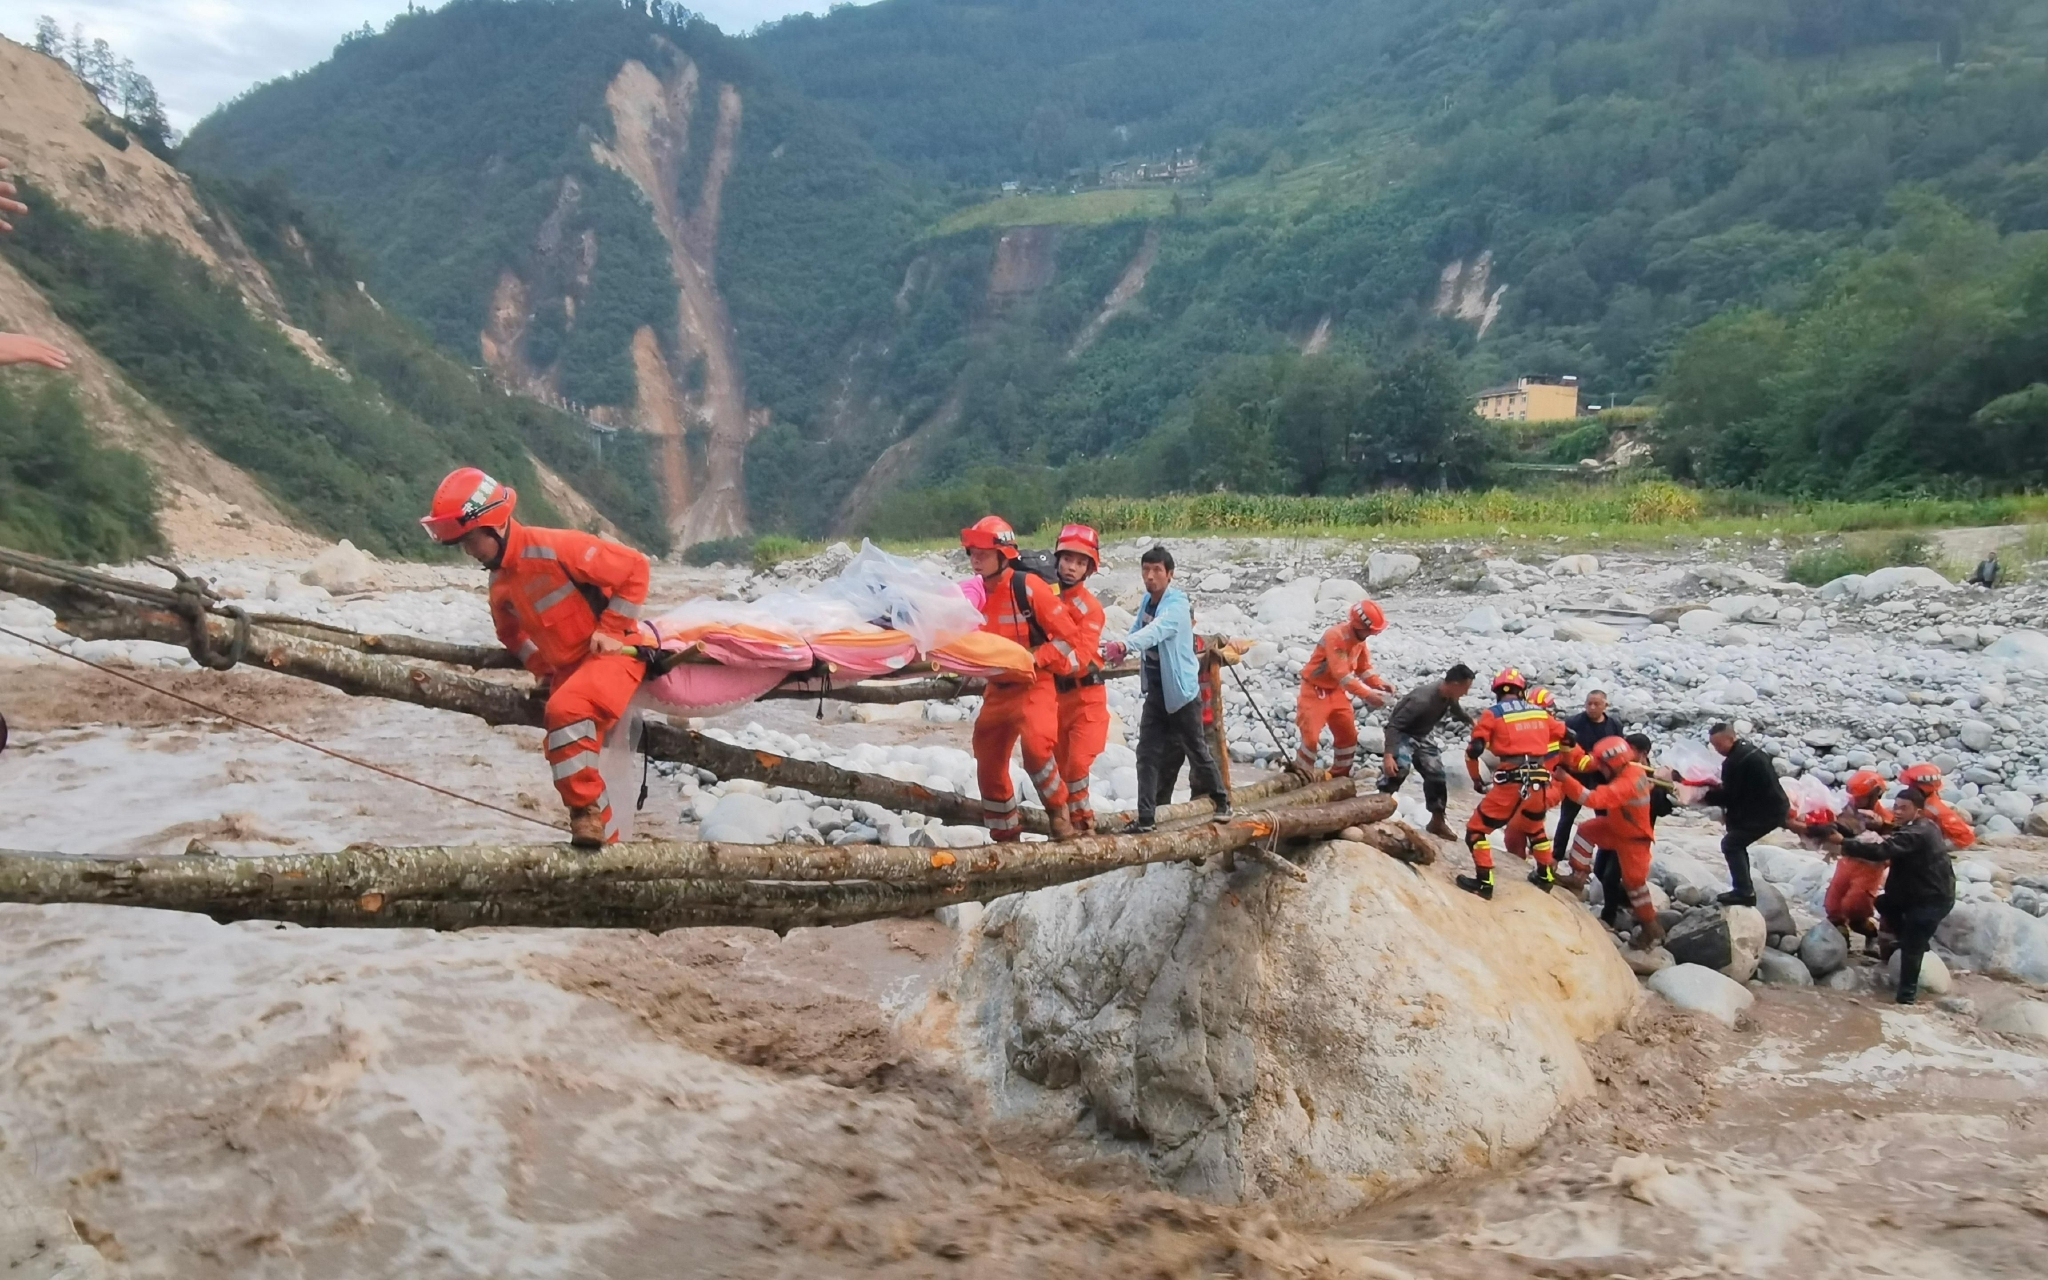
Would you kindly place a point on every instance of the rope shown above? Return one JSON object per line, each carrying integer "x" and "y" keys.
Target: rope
{"x": 279, "y": 733}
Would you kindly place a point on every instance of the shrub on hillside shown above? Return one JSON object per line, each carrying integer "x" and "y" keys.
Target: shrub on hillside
{"x": 60, "y": 493}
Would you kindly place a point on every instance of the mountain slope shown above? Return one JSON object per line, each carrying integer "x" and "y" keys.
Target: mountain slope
{"x": 219, "y": 336}
{"x": 606, "y": 207}
{"x": 1517, "y": 186}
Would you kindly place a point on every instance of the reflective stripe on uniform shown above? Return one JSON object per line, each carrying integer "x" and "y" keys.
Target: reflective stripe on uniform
{"x": 999, "y": 806}
{"x": 555, "y": 597}
{"x": 569, "y": 733}
{"x": 623, "y": 607}
{"x": 575, "y": 764}
{"x": 526, "y": 649}
{"x": 603, "y": 804}
{"x": 537, "y": 552}
{"x": 1065, "y": 650}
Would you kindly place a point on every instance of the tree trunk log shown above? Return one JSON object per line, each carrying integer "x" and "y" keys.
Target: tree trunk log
{"x": 96, "y": 615}
{"x": 651, "y": 885}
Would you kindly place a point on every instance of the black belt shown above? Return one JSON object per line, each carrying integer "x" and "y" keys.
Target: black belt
{"x": 1067, "y": 684}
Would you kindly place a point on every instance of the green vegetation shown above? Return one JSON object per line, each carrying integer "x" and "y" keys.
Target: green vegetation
{"x": 353, "y": 455}
{"x": 1779, "y": 171}
{"x": 1923, "y": 359}
{"x": 1858, "y": 555}
{"x": 61, "y": 494}
{"x": 1083, "y": 209}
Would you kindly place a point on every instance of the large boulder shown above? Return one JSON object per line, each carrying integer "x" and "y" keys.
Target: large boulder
{"x": 1900, "y": 577}
{"x": 1339, "y": 591}
{"x": 1776, "y": 969}
{"x": 1998, "y": 939}
{"x": 1587, "y": 631}
{"x": 1319, "y": 1045}
{"x": 1390, "y": 568}
{"x": 2026, "y": 1019}
{"x": 1577, "y": 566}
{"x": 1824, "y": 950}
{"x": 2027, "y": 650}
{"x": 1289, "y": 606}
{"x": 739, "y": 818}
{"x": 1698, "y": 989}
{"x": 1776, "y": 911}
{"x": 1730, "y": 940}
{"x": 1483, "y": 621}
{"x": 342, "y": 570}
{"x": 1701, "y": 622}
{"x": 1934, "y": 976}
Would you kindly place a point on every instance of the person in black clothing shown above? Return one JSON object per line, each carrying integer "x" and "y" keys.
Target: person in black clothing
{"x": 1409, "y": 749}
{"x": 1752, "y": 806}
{"x": 1920, "y": 889}
{"x": 1588, "y": 729}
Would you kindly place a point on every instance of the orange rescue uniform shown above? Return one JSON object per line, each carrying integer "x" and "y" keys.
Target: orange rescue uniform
{"x": 1014, "y": 711}
{"x": 1852, "y": 892}
{"x": 1520, "y": 735}
{"x": 552, "y": 590}
{"x": 1954, "y": 825}
{"x": 1339, "y": 670}
{"x": 1083, "y": 703}
{"x": 1624, "y": 823}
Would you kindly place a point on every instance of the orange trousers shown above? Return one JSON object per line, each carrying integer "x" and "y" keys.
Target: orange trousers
{"x": 1601, "y": 832}
{"x": 1852, "y": 894}
{"x": 584, "y": 704}
{"x": 1011, "y": 713}
{"x": 1314, "y": 709}
{"x": 1506, "y": 804}
{"x": 1083, "y": 733}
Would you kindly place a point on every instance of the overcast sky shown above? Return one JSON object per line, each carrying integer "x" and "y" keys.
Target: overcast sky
{"x": 200, "y": 53}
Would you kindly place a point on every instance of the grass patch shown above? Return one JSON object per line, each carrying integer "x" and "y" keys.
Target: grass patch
{"x": 1863, "y": 554}
{"x": 62, "y": 494}
{"x": 1085, "y": 209}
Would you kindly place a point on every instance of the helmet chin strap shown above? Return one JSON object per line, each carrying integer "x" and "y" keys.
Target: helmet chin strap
{"x": 499, "y": 559}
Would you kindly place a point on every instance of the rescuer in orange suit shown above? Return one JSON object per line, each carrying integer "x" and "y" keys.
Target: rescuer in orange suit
{"x": 567, "y": 604}
{"x": 1339, "y": 670}
{"x": 1025, "y": 608}
{"x": 1624, "y": 824}
{"x": 1927, "y": 778}
{"x": 1083, "y": 701}
{"x": 1520, "y": 735}
{"x": 1521, "y": 830}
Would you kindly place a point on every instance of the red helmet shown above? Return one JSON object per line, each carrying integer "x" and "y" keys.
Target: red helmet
{"x": 468, "y": 500}
{"x": 1509, "y": 678}
{"x": 1541, "y": 697}
{"x": 1082, "y": 541}
{"x": 1368, "y": 617}
{"x": 991, "y": 533}
{"x": 1614, "y": 751}
{"x": 1866, "y": 783}
{"x": 1927, "y": 777}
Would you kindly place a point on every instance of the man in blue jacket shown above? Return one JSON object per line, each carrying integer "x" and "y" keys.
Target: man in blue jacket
{"x": 1164, "y": 631}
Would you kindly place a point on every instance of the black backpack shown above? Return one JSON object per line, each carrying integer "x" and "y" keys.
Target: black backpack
{"x": 1038, "y": 564}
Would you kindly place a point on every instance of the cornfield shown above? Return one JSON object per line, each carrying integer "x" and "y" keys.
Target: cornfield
{"x": 1647, "y": 503}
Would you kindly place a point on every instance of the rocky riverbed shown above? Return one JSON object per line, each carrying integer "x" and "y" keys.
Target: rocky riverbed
{"x": 191, "y": 1099}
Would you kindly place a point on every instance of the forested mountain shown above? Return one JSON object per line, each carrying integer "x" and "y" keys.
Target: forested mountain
{"x": 1392, "y": 204}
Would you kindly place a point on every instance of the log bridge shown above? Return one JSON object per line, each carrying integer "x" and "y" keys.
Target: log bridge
{"x": 654, "y": 885}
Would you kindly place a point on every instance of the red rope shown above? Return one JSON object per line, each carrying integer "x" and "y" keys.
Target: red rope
{"x": 279, "y": 733}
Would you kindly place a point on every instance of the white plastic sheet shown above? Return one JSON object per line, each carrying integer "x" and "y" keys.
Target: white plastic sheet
{"x": 1695, "y": 762}
{"x": 902, "y": 594}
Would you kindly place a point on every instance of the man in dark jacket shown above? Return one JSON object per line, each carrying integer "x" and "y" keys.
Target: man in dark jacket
{"x": 1410, "y": 750}
{"x": 1589, "y": 729}
{"x": 1752, "y": 806}
{"x": 1920, "y": 889}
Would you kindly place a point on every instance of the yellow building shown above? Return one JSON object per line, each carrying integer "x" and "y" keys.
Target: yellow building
{"x": 1539, "y": 399}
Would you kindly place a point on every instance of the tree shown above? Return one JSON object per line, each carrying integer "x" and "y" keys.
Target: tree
{"x": 49, "y": 37}
{"x": 1417, "y": 428}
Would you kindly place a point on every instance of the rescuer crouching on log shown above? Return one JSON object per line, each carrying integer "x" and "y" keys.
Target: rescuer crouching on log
{"x": 567, "y": 604}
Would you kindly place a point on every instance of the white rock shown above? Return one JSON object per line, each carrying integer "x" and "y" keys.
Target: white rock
{"x": 1776, "y": 969}
{"x": 1291, "y": 605}
{"x": 1263, "y": 654}
{"x": 1736, "y": 693}
{"x": 1698, "y": 989}
{"x": 1627, "y": 603}
{"x": 1575, "y": 566}
{"x": 2025, "y": 650}
{"x": 2026, "y": 1019}
{"x": 1999, "y": 939}
{"x": 344, "y": 570}
{"x": 1586, "y": 631}
{"x": 1934, "y": 975}
{"x": 1846, "y": 587}
{"x": 740, "y": 818}
{"x": 1483, "y": 621}
{"x": 1903, "y": 577}
{"x": 1216, "y": 582}
{"x": 1701, "y": 622}
{"x": 1748, "y": 938}
{"x": 2037, "y": 820}
{"x": 1976, "y": 870}
{"x": 1977, "y": 735}
{"x": 1207, "y": 1016}
{"x": 1390, "y": 568}
{"x": 1341, "y": 591}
